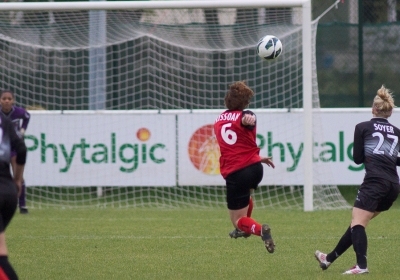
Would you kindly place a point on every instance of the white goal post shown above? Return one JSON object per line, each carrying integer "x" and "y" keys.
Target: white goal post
{"x": 97, "y": 37}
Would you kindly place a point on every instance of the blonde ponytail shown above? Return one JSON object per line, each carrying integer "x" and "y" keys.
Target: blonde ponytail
{"x": 383, "y": 102}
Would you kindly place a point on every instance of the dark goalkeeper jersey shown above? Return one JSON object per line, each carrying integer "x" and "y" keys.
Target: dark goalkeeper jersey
{"x": 19, "y": 117}
{"x": 376, "y": 144}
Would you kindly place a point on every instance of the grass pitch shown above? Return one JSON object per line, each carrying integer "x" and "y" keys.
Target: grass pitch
{"x": 149, "y": 243}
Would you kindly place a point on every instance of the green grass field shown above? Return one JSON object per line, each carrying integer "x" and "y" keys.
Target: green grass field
{"x": 150, "y": 243}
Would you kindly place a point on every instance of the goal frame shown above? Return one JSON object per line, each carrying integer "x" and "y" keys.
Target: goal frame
{"x": 305, "y": 6}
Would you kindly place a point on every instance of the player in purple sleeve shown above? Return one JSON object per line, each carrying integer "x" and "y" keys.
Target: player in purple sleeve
{"x": 20, "y": 119}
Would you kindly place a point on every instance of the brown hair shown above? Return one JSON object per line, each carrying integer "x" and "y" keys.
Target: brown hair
{"x": 383, "y": 103}
{"x": 238, "y": 96}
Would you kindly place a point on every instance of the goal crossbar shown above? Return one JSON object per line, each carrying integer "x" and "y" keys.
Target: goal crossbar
{"x": 117, "y": 5}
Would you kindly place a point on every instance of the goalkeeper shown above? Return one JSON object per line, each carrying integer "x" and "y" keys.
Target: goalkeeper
{"x": 240, "y": 162}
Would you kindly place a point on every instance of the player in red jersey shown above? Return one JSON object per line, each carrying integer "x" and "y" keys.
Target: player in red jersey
{"x": 240, "y": 162}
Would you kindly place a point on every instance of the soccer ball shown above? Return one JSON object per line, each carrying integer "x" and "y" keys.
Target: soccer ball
{"x": 269, "y": 47}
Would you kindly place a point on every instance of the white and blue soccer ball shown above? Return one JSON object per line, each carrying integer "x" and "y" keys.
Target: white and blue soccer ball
{"x": 269, "y": 47}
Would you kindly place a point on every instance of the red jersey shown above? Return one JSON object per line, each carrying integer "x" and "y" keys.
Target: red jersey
{"x": 237, "y": 143}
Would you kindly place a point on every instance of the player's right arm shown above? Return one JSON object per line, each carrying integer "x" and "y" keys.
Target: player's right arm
{"x": 268, "y": 161}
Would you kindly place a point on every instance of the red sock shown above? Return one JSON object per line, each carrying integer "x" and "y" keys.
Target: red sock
{"x": 3, "y": 275}
{"x": 250, "y": 209}
{"x": 248, "y": 225}
{"x": 7, "y": 272}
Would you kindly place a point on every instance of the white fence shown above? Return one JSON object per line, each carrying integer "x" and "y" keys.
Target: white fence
{"x": 134, "y": 148}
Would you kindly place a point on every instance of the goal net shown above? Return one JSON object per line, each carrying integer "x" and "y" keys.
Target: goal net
{"x": 123, "y": 100}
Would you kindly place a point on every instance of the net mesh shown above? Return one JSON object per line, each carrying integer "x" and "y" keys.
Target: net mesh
{"x": 151, "y": 62}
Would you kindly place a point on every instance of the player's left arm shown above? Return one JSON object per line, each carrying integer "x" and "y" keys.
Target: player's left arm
{"x": 398, "y": 155}
{"x": 25, "y": 121}
{"x": 249, "y": 119}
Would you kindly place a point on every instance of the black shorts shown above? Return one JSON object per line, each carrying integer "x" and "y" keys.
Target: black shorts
{"x": 376, "y": 195}
{"x": 239, "y": 184}
{"x": 8, "y": 202}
